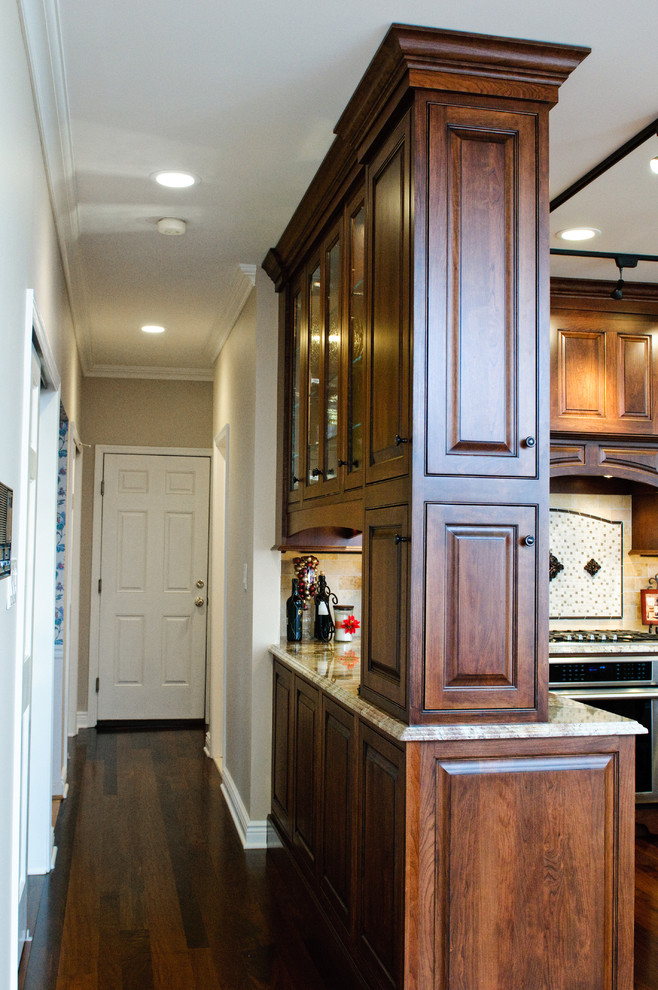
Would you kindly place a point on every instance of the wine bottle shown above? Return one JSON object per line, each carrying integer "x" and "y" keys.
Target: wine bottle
{"x": 324, "y": 627}
{"x": 294, "y": 608}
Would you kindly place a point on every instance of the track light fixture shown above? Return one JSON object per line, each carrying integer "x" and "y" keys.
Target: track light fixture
{"x": 622, "y": 261}
{"x": 618, "y": 291}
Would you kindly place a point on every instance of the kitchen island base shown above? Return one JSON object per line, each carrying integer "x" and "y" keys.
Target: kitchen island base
{"x": 458, "y": 857}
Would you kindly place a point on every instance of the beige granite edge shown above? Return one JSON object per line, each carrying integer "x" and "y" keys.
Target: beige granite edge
{"x": 566, "y": 717}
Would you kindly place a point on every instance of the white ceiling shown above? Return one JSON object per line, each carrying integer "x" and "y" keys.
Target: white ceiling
{"x": 246, "y": 95}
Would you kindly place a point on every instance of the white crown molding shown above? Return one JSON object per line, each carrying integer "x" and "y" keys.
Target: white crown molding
{"x": 241, "y": 288}
{"x": 172, "y": 374}
{"x": 43, "y": 44}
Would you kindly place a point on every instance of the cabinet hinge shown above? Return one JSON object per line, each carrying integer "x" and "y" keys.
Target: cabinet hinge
{"x": 98, "y": 684}
{"x": 100, "y": 585}
{"x": 102, "y": 488}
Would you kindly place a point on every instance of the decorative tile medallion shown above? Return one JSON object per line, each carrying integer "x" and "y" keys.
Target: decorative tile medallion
{"x": 589, "y": 583}
{"x": 554, "y": 567}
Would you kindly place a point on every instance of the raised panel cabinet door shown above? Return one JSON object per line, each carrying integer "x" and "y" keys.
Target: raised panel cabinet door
{"x": 380, "y": 912}
{"x": 579, "y": 375}
{"x": 389, "y": 338}
{"x": 483, "y": 332}
{"x": 480, "y": 607}
{"x": 337, "y": 819}
{"x": 385, "y": 607}
{"x": 306, "y": 701}
{"x": 634, "y": 385}
{"x": 529, "y": 888}
{"x": 604, "y": 369}
{"x": 282, "y": 747}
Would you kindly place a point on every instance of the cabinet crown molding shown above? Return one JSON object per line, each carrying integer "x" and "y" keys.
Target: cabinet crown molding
{"x": 416, "y": 58}
{"x": 432, "y": 58}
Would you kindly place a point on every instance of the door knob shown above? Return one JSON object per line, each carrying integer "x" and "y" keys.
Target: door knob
{"x": 198, "y": 602}
{"x": 199, "y": 583}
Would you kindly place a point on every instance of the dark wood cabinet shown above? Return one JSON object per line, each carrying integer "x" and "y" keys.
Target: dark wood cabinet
{"x": 482, "y": 345}
{"x": 460, "y": 862}
{"x": 480, "y": 608}
{"x": 528, "y": 849}
{"x": 381, "y": 845}
{"x": 448, "y": 136}
{"x": 306, "y": 722}
{"x": 282, "y": 746}
{"x": 385, "y": 675}
{"x": 389, "y": 200}
{"x": 604, "y": 369}
{"x": 337, "y": 847}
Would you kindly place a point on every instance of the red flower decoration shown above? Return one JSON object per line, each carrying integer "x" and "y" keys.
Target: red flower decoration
{"x": 350, "y": 624}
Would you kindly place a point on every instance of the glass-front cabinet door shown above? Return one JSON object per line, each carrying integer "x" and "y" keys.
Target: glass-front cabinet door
{"x": 355, "y": 350}
{"x": 324, "y": 370}
{"x": 315, "y": 334}
{"x": 296, "y": 398}
{"x": 326, "y": 365}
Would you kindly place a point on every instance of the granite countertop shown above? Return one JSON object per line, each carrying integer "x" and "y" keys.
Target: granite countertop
{"x": 335, "y": 667}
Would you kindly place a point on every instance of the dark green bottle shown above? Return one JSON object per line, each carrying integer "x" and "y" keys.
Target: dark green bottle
{"x": 294, "y": 609}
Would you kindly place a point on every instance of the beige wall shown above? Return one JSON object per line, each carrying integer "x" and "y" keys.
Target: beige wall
{"x": 136, "y": 413}
{"x": 29, "y": 261}
{"x": 245, "y": 409}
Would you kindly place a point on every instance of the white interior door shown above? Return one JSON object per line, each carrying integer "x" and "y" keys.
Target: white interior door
{"x": 154, "y": 573}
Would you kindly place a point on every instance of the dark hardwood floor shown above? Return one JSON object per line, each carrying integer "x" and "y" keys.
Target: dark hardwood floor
{"x": 152, "y": 889}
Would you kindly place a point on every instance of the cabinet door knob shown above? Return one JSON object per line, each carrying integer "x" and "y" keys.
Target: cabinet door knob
{"x": 342, "y": 463}
{"x": 529, "y": 441}
{"x": 401, "y": 539}
{"x": 317, "y": 472}
{"x": 528, "y": 541}
{"x": 399, "y": 439}
{"x": 295, "y": 480}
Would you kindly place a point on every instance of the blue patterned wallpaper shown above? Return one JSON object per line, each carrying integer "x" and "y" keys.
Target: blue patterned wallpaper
{"x": 61, "y": 531}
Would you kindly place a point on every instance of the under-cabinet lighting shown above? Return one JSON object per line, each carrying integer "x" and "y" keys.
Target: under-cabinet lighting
{"x": 578, "y": 233}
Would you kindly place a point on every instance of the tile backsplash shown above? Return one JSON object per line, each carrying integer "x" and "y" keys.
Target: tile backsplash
{"x": 598, "y": 528}
{"x": 343, "y": 574}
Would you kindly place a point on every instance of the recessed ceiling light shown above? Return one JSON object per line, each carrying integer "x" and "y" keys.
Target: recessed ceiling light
{"x": 151, "y": 328}
{"x": 175, "y": 180}
{"x": 653, "y": 165}
{"x": 578, "y": 233}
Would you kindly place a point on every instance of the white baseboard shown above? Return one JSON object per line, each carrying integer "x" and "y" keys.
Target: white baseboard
{"x": 253, "y": 834}
{"x": 82, "y": 720}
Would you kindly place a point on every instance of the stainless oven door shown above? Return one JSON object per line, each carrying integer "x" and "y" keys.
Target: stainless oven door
{"x": 642, "y": 707}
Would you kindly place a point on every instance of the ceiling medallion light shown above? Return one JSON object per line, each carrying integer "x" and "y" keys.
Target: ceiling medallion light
{"x": 175, "y": 180}
{"x": 653, "y": 165}
{"x": 578, "y": 233}
{"x": 171, "y": 226}
{"x": 152, "y": 328}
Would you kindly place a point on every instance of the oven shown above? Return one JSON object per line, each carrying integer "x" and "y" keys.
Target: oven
{"x": 618, "y": 673}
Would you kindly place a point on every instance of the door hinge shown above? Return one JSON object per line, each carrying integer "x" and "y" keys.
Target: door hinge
{"x": 102, "y": 488}
{"x": 98, "y": 684}
{"x": 100, "y": 585}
